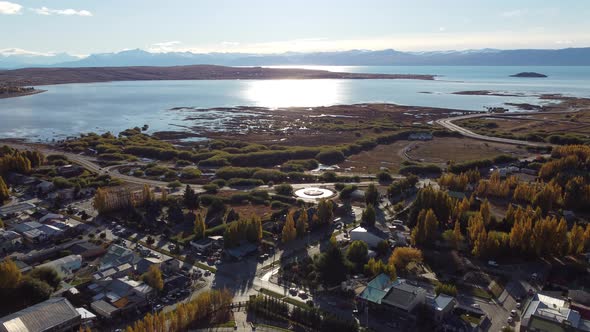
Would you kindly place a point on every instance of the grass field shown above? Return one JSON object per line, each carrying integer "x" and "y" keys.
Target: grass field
{"x": 436, "y": 151}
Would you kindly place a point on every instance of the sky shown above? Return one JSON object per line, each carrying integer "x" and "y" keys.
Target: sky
{"x": 82, "y": 27}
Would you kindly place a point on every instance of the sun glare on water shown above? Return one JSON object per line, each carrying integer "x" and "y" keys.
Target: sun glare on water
{"x": 294, "y": 93}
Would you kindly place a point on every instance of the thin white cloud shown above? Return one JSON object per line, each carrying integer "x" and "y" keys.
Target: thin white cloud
{"x": 20, "y": 51}
{"x": 10, "y": 8}
{"x": 163, "y": 47}
{"x": 513, "y": 13}
{"x": 442, "y": 29}
{"x": 67, "y": 12}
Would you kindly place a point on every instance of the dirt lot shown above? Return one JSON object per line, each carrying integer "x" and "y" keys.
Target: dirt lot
{"x": 437, "y": 151}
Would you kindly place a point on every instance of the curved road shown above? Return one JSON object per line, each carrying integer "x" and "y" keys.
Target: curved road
{"x": 448, "y": 123}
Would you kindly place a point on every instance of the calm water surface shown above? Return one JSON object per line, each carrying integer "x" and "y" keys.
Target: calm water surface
{"x": 71, "y": 109}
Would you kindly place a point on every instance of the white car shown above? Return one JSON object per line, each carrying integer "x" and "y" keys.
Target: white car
{"x": 513, "y": 313}
{"x": 510, "y": 320}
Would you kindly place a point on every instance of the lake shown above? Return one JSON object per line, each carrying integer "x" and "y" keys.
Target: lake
{"x": 71, "y": 109}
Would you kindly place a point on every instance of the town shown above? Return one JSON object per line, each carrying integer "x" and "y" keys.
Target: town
{"x": 129, "y": 233}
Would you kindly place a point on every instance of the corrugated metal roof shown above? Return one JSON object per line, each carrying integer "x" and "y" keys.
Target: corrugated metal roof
{"x": 40, "y": 317}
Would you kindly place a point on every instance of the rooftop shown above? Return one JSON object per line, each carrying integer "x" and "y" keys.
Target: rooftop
{"x": 40, "y": 317}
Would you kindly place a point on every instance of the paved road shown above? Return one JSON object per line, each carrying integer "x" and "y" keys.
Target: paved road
{"x": 448, "y": 123}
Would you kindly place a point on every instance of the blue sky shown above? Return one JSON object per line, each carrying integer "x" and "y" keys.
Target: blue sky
{"x": 265, "y": 26}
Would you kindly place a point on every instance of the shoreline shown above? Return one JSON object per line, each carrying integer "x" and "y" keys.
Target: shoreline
{"x": 24, "y": 94}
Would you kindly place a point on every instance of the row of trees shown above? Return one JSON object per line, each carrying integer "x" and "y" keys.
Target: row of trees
{"x": 12, "y": 160}
{"x": 212, "y": 305}
{"x": 304, "y": 317}
{"x": 244, "y": 229}
{"x": 297, "y": 227}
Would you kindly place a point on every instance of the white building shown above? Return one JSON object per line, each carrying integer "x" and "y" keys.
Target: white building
{"x": 65, "y": 266}
{"x": 362, "y": 234}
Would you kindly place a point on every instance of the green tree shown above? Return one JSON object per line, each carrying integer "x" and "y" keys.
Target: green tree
{"x": 190, "y": 198}
{"x": 368, "y": 217}
{"x": 200, "y": 227}
{"x": 357, "y": 253}
{"x": 448, "y": 289}
{"x": 325, "y": 211}
{"x": 47, "y": 275}
{"x": 372, "y": 195}
{"x": 332, "y": 266}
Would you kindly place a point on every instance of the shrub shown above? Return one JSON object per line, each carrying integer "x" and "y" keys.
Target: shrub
{"x": 211, "y": 188}
{"x": 347, "y": 191}
{"x": 284, "y": 189}
{"x": 237, "y": 182}
{"x": 330, "y": 157}
{"x": 191, "y": 173}
{"x": 267, "y": 175}
{"x": 227, "y": 173}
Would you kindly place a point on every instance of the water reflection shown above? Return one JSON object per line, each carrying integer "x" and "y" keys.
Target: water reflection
{"x": 302, "y": 93}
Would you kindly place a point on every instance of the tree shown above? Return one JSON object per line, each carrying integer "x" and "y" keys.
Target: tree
{"x": 375, "y": 267}
{"x": 486, "y": 212}
{"x": 284, "y": 189}
{"x": 402, "y": 256}
{"x": 448, "y": 289}
{"x": 191, "y": 200}
{"x": 576, "y": 239}
{"x": 153, "y": 277}
{"x": 289, "y": 232}
{"x": 325, "y": 211}
{"x": 200, "y": 227}
{"x": 368, "y": 217}
{"x": 382, "y": 248}
{"x": 301, "y": 225}
{"x": 430, "y": 198}
{"x": 47, "y": 275}
{"x": 425, "y": 232}
{"x": 4, "y": 193}
{"x": 10, "y": 274}
{"x": 164, "y": 197}
{"x": 147, "y": 194}
{"x": 33, "y": 290}
{"x": 357, "y": 253}
{"x": 332, "y": 266}
{"x": 372, "y": 195}
{"x": 100, "y": 200}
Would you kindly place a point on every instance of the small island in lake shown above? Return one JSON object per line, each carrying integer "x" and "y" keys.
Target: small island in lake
{"x": 528, "y": 74}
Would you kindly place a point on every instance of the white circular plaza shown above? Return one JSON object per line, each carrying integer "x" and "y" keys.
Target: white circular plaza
{"x": 314, "y": 193}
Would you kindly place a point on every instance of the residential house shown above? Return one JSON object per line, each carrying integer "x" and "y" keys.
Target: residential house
{"x": 9, "y": 240}
{"x": 371, "y": 237}
{"x": 442, "y": 306}
{"x": 123, "y": 294}
{"x": 144, "y": 264}
{"x": 54, "y": 315}
{"x": 117, "y": 255}
{"x": 544, "y": 313}
{"x": 202, "y": 245}
{"x": 397, "y": 297}
{"x": 64, "y": 266}
{"x": 404, "y": 297}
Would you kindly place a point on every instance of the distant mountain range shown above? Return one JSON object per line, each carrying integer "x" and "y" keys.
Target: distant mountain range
{"x": 484, "y": 57}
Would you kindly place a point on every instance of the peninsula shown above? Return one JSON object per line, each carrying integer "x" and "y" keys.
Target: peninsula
{"x": 48, "y": 76}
